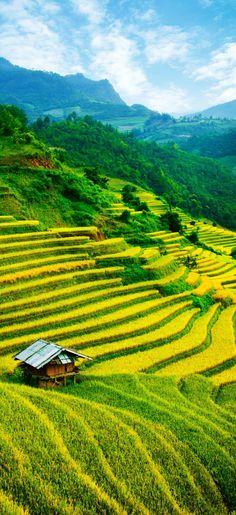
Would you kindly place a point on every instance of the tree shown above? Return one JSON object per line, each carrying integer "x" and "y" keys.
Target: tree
{"x": 233, "y": 253}
{"x": 93, "y": 174}
{"x": 193, "y": 237}
{"x": 171, "y": 221}
{"x": 12, "y": 120}
{"x": 125, "y": 216}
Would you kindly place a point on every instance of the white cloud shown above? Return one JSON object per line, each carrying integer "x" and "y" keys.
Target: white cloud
{"x": 117, "y": 58}
{"x": 147, "y": 16}
{"x": 33, "y": 41}
{"x": 221, "y": 70}
{"x": 170, "y": 99}
{"x": 167, "y": 44}
{"x": 114, "y": 57}
{"x": 94, "y": 10}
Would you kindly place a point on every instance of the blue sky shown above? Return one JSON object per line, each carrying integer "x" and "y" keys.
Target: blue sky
{"x": 170, "y": 55}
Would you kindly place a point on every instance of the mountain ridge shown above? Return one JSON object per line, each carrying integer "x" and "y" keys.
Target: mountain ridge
{"x": 36, "y": 91}
{"x": 224, "y": 110}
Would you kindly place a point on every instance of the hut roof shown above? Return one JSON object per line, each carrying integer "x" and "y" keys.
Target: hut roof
{"x": 41, "y": 352}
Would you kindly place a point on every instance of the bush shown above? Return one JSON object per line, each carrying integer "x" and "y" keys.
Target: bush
{"x": 203, "y": 302}
{"x": 193, "y": 237}
{"x": 125, "y": 216}
{"x": 171, "y": 221}
{"x": 135, "y": 273}
{"x": 141, "y": 239}
{"x": 233, "y": 253}
{"x": 190, "y": 261}
{"x": 174, "y": 288}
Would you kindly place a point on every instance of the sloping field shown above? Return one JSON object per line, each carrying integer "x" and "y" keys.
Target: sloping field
{"x": 129, "y": 444}
{"x": 125, "y": 444}
{"x": 215, "y": 237}
{"x": 65, "y": 286}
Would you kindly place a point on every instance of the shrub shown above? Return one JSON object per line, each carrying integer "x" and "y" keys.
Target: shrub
{"x": 135, "y": 273}
{"x": 190, "y": 261}
{"x": 233, "y": 253}
{"x": 203, "y": 302}
{"x": 125, "y": 216}
{"x": 171, "y": 221}
{"x": 193, "y": 237}
{"x": 141, "y": 239}
{"x": 174, "y": 288}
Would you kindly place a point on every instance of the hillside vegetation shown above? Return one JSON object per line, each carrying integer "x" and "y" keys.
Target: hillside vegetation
{"x": 34, "y": 184}
{"x": 199, "y": 185}
{"x": 164, "y": 128}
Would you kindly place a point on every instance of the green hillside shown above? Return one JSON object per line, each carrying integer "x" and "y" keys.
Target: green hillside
{"x": 219, "y": 146}
{"x": 34, "y": 184}
{"x": 183, "y": 130}
{"x": 36, "y": 91}
{"x": 200, "y": 186}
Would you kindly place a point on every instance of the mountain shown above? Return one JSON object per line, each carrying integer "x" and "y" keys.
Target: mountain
{"x": 226, "y": 110}
{"x": 39, "y": 91}
{"x": 42, "y": 94}
{"x": 100, "y": 91}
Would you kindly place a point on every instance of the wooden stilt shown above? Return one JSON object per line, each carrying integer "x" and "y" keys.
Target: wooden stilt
{"x": 75, "y": 379}
{"x": 64, "y": 380}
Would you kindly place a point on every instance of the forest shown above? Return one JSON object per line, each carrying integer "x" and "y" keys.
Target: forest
{"x": 201, "y": 186}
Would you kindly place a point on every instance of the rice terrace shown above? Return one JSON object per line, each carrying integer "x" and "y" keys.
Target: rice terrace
{"x": 141, "y": 432}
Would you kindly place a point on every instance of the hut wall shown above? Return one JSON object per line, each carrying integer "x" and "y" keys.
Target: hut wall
{"x": 70, "y": 367}
{"x": 55, "y": 369}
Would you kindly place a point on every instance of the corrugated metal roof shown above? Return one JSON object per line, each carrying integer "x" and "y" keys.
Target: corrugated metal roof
{"x": 39, "y": 344}
{"x": 43, "y": 356}
{"x": 42, "y": 352}
{"x": 64, "y": 358}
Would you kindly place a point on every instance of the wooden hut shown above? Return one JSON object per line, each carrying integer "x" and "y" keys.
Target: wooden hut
{"x": 49, "y": 363}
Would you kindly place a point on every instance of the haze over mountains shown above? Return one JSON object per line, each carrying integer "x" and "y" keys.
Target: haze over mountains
{"x": 226, "y": 110}
{"x": 41, "y": 93}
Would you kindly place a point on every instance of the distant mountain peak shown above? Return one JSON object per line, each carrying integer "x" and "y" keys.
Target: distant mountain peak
{"x": 225, "y": 110}
{"x": 38, "y": 91}
{"x": 6, "y": 63}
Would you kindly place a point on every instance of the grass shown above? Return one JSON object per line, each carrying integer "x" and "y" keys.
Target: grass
{"x": 137, "y": 350}
{"x": 225, "y": 376}
{"x": 60, "y": 329}
{"x": 194, "y": 339}
{"x": 84, "y": 312}
{"x": 221, "y": 348}
{"x": 114, "y": 445}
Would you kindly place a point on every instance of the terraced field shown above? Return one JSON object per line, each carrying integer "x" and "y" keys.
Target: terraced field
{"x": 140, "y": 433}
{"x": 125, "y": 444}
{"x": 66, "y": 285}
{"x": 215, "y": 237}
